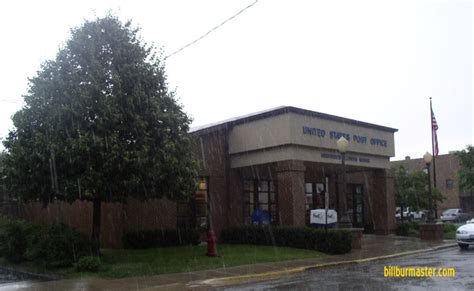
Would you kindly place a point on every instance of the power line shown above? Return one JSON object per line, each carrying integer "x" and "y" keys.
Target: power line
{"x": 214, "y": 28}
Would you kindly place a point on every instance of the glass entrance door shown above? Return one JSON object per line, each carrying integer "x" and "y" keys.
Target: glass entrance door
{"x": 358, "y": 206}
{"x": 314, "y": 198}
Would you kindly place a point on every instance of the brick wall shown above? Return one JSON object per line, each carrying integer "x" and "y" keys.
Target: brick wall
{"x": 447, "y": 167}
{"x": 291, "y": 193}
{"x": 149, "y": 214}
{"x": 212, "y": 153}
{"x": 379, "y": 199}
{"x": 116, "y": 218}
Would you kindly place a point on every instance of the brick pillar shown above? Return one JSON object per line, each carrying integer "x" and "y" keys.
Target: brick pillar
{"x": 291, "y": 196}
{"x": 234, "y": 214}
{"x": 383, "y": 202}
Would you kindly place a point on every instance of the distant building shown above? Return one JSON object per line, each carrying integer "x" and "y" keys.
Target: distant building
{"x": 447, "y": 167}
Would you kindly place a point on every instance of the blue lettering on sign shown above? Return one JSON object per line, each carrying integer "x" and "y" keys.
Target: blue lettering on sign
{"x": 351, "y": 158}
{"x": 348, "y": 158}
{"x": 360, "y": 139}
{"x": 378, "y": 142}
{"x": 330, "y": 156}
{"x": 337, "y": 135}
{"x": 314, "y": 131}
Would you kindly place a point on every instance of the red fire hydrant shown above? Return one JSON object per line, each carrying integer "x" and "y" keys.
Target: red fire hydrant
{"x": 211, "y": 243}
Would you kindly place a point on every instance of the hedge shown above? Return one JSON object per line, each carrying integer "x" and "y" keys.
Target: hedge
{"x": 332, "y": 241}
{"x": 408, "y": 228}
{"x": 88, "y": 264}
{"x": 59, "y": 246}
{"x": 17, "y": 237}
{"x": 56, "y": 245}
{"x": 160, "y": 238}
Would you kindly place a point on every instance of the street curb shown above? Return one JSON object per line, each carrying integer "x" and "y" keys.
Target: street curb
{"x": 39, "y": 276}
{"x": 240, "y": 279}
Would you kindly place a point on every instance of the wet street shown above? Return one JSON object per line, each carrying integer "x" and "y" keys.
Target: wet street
{"x": 367, "y": 276}
{"x": 370, "y": 276}
{"x": 11, "y": 279}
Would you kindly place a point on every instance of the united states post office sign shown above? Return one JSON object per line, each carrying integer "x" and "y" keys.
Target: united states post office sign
{"x": 332, "y": 134}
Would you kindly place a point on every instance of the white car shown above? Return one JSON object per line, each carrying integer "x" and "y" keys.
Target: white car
{"x": 408, "y": 214}
{"x": 465, "y": 235}
{"x": 454, "y": 215}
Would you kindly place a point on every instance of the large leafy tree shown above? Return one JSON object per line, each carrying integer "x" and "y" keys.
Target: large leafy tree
{"x": 411, "y": 190}
{"x": 466, "y": 173}
{"x": 100, "y": 124}
{"x": 404, "y": 194}
{"x": 2, "y": 177}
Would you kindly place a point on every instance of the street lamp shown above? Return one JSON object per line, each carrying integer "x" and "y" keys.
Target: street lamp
{"x": 342, "y": 145}
{"x": 428, "y": 158}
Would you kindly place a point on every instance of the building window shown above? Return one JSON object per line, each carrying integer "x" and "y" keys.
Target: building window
{"x": 193, "y": 213}
{"x": 201, "y": 202}
{"x": 308, "y": 190}
{"x": 449, "y": 183}
{"x": 260, "y": 194}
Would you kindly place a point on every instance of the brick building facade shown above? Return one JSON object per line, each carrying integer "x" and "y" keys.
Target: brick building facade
{"x": 280, "y": 161}
{"x": 283, "y": 160}
{"x": 447, "y": 167}
{"x": 116, "y": 218}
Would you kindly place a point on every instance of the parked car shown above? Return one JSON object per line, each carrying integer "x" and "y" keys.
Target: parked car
{"x": 454, "y": 215}
{"x": 408, "y": 214}
{"x": 465, "y": 235}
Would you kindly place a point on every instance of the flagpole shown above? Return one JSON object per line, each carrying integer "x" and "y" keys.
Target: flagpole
{"x": 433, "y": 150}
{"x": 432, "y": 143}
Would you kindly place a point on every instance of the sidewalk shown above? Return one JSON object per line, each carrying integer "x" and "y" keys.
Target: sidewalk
{"x": 373, "y": 248}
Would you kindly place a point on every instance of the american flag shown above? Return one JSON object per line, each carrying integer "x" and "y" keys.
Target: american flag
{"x": 434, "y": 128}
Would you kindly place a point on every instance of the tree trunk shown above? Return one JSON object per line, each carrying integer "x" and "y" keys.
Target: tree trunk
{"x": 401, "y": 213}
{"x": 97, "y": 203}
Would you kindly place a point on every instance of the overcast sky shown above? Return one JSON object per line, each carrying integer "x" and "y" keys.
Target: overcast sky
{"x": 374, "y": 61}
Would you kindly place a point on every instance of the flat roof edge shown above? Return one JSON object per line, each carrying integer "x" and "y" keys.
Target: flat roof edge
{"x": 282, "y": 110}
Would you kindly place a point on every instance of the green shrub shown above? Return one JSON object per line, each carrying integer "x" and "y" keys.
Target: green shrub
{"x": 160, "y": 238}
{"x": 415, "y": 225}
{"x": 449, "y": 227}
{"x": 59, "y": 246}
{"x": 408, "y": 228}
{"x": 332, "y": 241}
{"x": 4, "y": 220}
{"x": 449, "y": 231}
{"x": 15, "y": 238}
{"x": 88, "y": 264}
